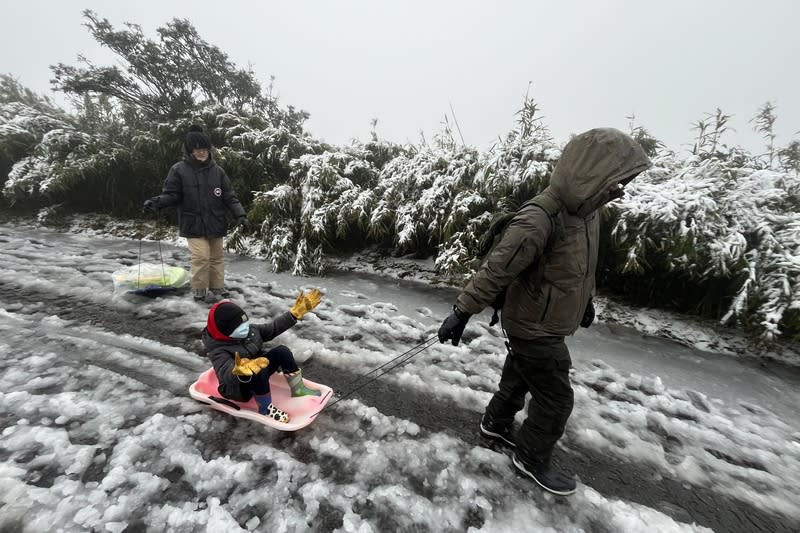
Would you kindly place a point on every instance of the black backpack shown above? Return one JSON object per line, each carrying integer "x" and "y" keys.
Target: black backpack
{"x": 494, "y": 235}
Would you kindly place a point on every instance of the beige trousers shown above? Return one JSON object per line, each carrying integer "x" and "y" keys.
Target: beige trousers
{"x": 208, "y": 263}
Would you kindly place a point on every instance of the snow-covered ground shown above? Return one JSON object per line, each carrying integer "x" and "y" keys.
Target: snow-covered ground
{"x": 99, "y": 433}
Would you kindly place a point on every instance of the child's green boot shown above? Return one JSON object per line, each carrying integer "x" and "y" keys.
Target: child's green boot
{"x": 299, "y": 387}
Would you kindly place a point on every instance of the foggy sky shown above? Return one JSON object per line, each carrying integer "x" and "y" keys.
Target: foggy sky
{"x": 588, "y": 63}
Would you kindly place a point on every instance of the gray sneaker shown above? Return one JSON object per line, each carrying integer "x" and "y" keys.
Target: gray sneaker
{"x": 199, "y": 295}
{"x": 212, "y": 297}
{"x": 222, "y": 293}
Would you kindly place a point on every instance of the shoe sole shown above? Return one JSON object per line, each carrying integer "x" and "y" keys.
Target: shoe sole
{"x": 524, "y": 470}
{"x": 497, "y": 437}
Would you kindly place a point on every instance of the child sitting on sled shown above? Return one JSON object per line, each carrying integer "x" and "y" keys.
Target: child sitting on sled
{"x": 236, "y": 349}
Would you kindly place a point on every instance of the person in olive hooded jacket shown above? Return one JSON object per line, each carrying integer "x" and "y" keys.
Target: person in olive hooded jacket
{"x": 545, "y": 304}
{"x": 202, "y": 191}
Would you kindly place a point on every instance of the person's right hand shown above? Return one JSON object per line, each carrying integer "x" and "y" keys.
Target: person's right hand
{"x": 150, "y": 206}
{"x": 453, "y": 326}
{"x": 248, "y": 367}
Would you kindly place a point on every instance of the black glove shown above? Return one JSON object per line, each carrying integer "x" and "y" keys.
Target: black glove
{"x": 588, "y": 315}
{"x": 150, "y": 206}
{"x": 243, "y": 223}
{"x": 453, "y": 326}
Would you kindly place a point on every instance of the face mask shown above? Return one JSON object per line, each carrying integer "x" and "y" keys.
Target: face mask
{"x": 242, "y": 331}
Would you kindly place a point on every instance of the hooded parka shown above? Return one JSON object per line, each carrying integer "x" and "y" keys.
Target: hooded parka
{"x": 551, "y": 302}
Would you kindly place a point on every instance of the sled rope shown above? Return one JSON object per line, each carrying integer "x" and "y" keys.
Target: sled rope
{"x": 160, "y": 256}
{"x": 384, "y": 369}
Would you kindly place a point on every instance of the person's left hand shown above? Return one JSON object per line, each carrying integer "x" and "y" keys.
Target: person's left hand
{"x": 243, "y": 223}
{"x": 150, "y": 206}
{"x": 588, "y": 315}
{"x": 248, "y": 367}
{"x": 305, "y": 303}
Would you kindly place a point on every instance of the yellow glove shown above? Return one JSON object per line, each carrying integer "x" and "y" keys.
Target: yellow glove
{"x": 305, "y": 303}
{"x": 249, "y": 367}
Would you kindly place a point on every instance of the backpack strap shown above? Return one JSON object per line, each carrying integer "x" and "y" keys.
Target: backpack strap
{"x": 553, "y": 209}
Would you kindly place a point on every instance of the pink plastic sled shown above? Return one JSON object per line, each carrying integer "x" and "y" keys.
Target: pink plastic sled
{"x": 302, "y": 410}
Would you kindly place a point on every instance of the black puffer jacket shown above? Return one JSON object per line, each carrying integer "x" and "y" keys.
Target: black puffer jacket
{"x": 202, "y": 191}
{"x": 223, "y": 352}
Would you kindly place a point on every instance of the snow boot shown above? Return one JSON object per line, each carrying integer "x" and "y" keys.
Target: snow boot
{"x": 545, "y": 476}
{"x": 199, "y": 295}
{"x": 298, "y": 387}
{"x": 266, "y": 408}
{"x": 496, "y": 432}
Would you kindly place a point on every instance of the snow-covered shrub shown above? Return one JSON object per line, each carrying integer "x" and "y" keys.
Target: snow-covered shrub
{"x": 469, "y": 218}
{"x": 37, "y": 174}
{"x": 31, "y": 137}
{"x": 89, "y": 172}
{"x": 324, "y": 208}
{"x": 711, "y": 222}
{"x": 514, "y": 170}
{"x": 417, "y": 193}
{"x": 255, "y": 154}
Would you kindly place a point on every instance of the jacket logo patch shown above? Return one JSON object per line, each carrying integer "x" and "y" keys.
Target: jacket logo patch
{"x": 217, "y": 192}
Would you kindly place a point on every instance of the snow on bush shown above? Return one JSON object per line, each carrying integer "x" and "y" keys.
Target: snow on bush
{"x": 717, "y": 215}
{"x": 711, "y": 219}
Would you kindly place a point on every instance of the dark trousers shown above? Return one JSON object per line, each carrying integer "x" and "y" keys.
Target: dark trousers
{"x": 279, "y": 357}
{"x": 539, "y": 367}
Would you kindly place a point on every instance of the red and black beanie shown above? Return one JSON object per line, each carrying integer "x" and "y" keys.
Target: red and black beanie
{"x": 223, "y": 318}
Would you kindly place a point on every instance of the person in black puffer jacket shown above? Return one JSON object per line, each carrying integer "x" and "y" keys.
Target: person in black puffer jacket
{"x": 202, "y": 191}
{"x": 242, "y": 365}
